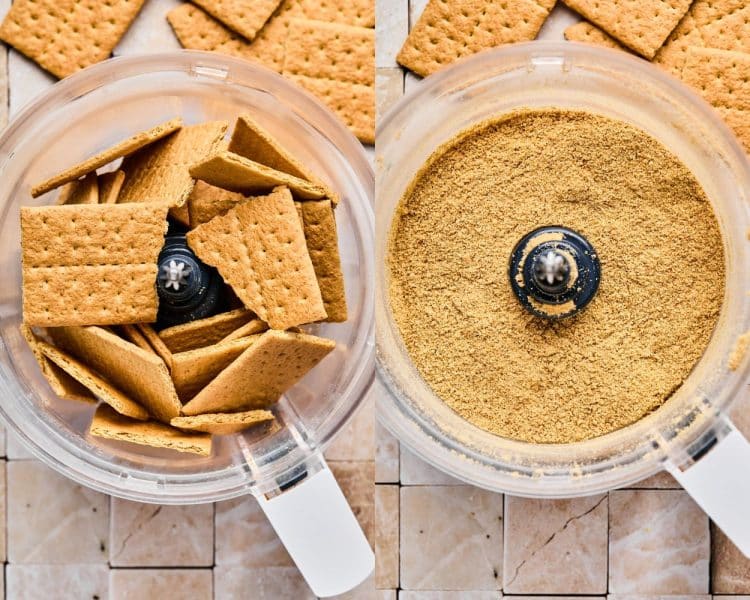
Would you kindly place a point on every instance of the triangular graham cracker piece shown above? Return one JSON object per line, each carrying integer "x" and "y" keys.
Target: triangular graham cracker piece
{"x": 224, "y": 423}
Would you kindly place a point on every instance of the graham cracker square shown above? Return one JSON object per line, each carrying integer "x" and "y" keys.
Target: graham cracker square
{"x": 246, "y": 17}
{"x": 204, "y": 332}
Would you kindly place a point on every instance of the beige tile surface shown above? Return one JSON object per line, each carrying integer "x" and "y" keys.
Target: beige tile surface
{"x": 357, "y": 481}
{"x": 730, "y": 569}
{"x": 558, "y": 546}
{"x": 386, "y": 536}
{"x": 15, "y": 450}
{"x": 3, "y": 510}
{"x": 659, "y": 543}
{"x": 52, "y": 582}
{"x": 364, "y": 591}
{"x": 53, "y": 520}
{"x": 174, "y": 584}
{"x": 414, "y": 471}
{"x": 149, "y": 535}
{"x": 270, "y": 583}
{"x": 660, "y": 481}
{"x": 357, "y": 441}
{"x": 451, "y": 538}
{"x": 386, "y": 456}
{"x": 443, "y": 595}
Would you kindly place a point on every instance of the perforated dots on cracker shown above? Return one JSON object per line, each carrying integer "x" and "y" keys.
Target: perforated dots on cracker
{"x": 246, "y": 17}
{"x": 586, "y": 33}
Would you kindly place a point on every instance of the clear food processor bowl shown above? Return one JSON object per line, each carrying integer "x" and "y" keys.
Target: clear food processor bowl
{"x": 616, "y": 85}
{"x": 102, "y": 105}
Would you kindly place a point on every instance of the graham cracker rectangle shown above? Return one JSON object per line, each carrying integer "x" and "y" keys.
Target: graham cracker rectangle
{"x": 140, "y": 374}
{"x": 322, "y": 244}
{"x": 360, "y": 13}
{"x": 722, "y": 77}
{"x": 80, "y": 191}
{"x": 586, "y": 33}
{"x": 259, "y": 249}
{"x": 156, "y": 343}
{"x": 110, "y": 425}
{"x": 91, "y": 264}
{"x": 236, "y": 173}
{"x": 61, "y": 383}
{"x": 452, "y": 29}
{"x": 206, "y": 201}
{"x": 204, "y": 332}
{"x": 159, "y": 173}
{"x": 192, "y": 370}
{"x": 102, "y": 388}
{"x": 642, "y": 26}
{"x": 64, "y": 36}
{"x": 224, "y": 423}
{"x": 246, "y": 17}
{"x": 261, "y": 374}
{"x": 123, "y": 148}
{"x": 133, "y": 334}
{"x": 110, "y": 185}
{"x": 249, "y": 328}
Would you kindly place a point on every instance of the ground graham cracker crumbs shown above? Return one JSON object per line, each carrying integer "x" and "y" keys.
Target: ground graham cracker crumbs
{"x": 661, "y": 291}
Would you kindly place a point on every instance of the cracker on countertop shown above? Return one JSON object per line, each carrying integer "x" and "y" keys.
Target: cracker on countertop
{"x": 139, "y": 374}
{"x": 259, "y": 249}
{"x": 80, "y": 191}
{"x": 206, "y": 201}
{"x": 110, "y": 185}
{"x": 64, "y": 36}
{"x": 452, "y": 29}
{"x": 204, "y": 332}
{"x": 156, "y": 343}
{"x": 224, "y": 423}
{"x": 246, "y": 17}
{"x": 236, "y": 173}
{"x": 159, "y": 173}
{"x": 261, "y": 374}
{"x": 110, "y": 425}
{"x": 250, "y": 328}
{"x": 587, "y": 33}
{"x": 91, "y": 263}
{"x": 123, "y": 148}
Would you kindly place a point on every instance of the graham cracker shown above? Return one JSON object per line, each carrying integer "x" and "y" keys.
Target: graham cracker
{"x": 61, "y": 383}
{"x": 80, "y": 191}
{"x": 261, "y": 374}
{"x": 123, "y": 148}
{"x": 181, "y": 213}
{"x": 64, "y": 36}
{"x": 206, "y": 201}
{"x": 102, "y": 388}
{"x": 246, "y": 17}
{"x": 722, "y": 77}
{"x": 586, "y": 33}
{"x": 110, "y": 185}
{"x": 349, "y": 12}
{"x": 133, "y": 334}
{"x": 236, "y": 173}
{"x": 160, "y": 173}
{"x": 156, "y": 343}
{"x": 250, "y": 328}
{"x": 452, "y": 29}
{"x": 251, "y": 140}
{"x": 192, "y": 370}
{"x": 259, "y": 249}
{"x": 110, "y": 425}
{"x": 136, "y": 372}
{"x": 91, "y": 264}
{"x": 204, "y": 332}
{"x": 224, "y": 423}
{"x": 322, "y": 244}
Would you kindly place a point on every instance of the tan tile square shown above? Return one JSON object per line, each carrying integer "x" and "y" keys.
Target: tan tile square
{"x": 53, "y": 520}
{"x": 386, "y": 595}
{"x": 730, "y": 570}
{"x": 660, "y": 481}
{"x": 357, "y": 481}
{"x": 659, "y": 543}
{"x": 3, "y": 511}
{"x": 48, "y": 582}
{"x": 149, "y": 535}
{"x": 175, "y": 584}
{"x": 411, "y": 595}
{"x": 386, "y": 456}
{"x": 386, "y": 536}
{"x": 244, "y": 538}
{"x": 414, "y": 471}
{"x": 555, "y": 546}
{"x": 364, "y": 591}
{"x": 269, "y": 583}
{"x": 357, "y": 440}
{"x": 451, "y": 538}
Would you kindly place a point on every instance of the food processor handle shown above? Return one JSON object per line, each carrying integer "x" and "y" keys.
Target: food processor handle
{"x": 718, "y": 482}
{"x": 319, "y": 530}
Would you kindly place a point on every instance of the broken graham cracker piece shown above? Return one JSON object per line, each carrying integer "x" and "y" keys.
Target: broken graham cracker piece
{"x": 722, "y": 77}
{"x": 123, "y": 148}
{"x": 206, "y": 201}
{"x": 204, "y": 332}
{"x": 64, "y": 36}
{"x": 261, "y": 374}
{"x": 133, "y": 334}
{"x": 159, "y": 173}
{"x": 239, "y": 174}
{"x": 99, "y": 386}
{"x": 61, "y": 383}
{"x": 80, "y": 191}
{"x": 192, "y": 370}
{"x": 451, "y": 29}
{"x": 224, "y": 423}
{"x": 246, "y": 17}
{"x": 156, "y": 343}
{"x": 91, "y": 264}
{"x": 586, "y": 33}
{"x": 110, "y": 185}
{"x": 110, "y": 425}
{"x": 251, "y": 140}
{"x": 136, "y": 372}
{"x": 259, "y": 249}
{"x": 642, "y": 26}
{"x": 249, "y": 328}
{"x": 319, "y": 223}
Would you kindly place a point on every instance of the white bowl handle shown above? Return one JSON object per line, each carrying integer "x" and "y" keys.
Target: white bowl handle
{"x": 316, "y": 525}
{"x": 719, "y": 482}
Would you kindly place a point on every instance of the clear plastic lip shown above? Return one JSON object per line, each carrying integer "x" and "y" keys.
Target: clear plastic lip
{"x": 100, "y": 106}
{"x": 542, "y": 74}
